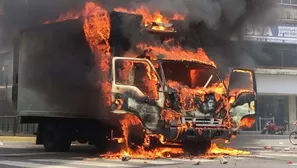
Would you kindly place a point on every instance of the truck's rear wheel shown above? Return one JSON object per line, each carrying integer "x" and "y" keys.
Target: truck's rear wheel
{"x": 55, "y": 138}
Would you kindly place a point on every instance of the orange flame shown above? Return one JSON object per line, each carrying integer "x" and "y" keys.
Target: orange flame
{"x": 127, "y": 121}
{"x": 153, "y": 17}
{"x": 149, "y": 17}
{"x": 66, "y": 16}
{"x": 227, "y": 80}
{"x": 185, "y": 93}
{"x": 97, "y": 32}
{"x": 247, "y": 122}
{"x": 170, "y": 115}
{"x": 141, "y": 153}
{"x": 215, "y": 150}
{"x": 177, "y": 53}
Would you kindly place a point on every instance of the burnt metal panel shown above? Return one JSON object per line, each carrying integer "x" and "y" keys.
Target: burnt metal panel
{"x": 57, "y": 72}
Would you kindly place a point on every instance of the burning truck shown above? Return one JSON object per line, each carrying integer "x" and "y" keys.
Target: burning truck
{"x": 83, "y": 80}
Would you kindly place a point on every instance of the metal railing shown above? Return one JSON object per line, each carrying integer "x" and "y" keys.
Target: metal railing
{"x": 11, "y": 124}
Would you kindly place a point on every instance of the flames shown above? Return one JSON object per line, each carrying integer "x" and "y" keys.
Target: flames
{"x": 66, "y": 16}
{"x": 247, "y": 122}
{"x": 141, "y": 153}
{"x": 149, "y": 17}
{"x": 153, "y": 20}
{"x": 96, "y": 25}
{"x": 215, "y": 150}
{"x": 126, "y": 122}
{"x": 97, "y": 32}
{"x": 176, "y": 53}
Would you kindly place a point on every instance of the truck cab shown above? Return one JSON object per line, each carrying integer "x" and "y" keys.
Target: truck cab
{"x": 182, "y": 99}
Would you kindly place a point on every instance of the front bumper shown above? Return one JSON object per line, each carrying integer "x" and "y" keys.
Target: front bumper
{"x": 197, "y": 134}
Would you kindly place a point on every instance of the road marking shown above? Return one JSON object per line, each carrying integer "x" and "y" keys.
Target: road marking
{"x": 30, "y": 165}
{"x": 87, "y": 163}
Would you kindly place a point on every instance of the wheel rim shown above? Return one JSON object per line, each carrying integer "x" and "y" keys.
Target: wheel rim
{"x": 293, "y": 138}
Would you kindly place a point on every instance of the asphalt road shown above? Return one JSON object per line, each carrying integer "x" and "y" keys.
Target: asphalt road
{"x": 17, "y": 154}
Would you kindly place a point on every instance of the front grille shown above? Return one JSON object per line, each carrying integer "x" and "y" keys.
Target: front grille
{"x": 203, "y": 122}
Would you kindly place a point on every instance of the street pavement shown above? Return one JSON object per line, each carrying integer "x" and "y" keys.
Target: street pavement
{"x": 267, "y": 151}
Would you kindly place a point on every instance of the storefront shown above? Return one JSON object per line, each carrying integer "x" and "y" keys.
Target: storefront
{"x": 276, "y": 95}
{"x": 273, "y": 47}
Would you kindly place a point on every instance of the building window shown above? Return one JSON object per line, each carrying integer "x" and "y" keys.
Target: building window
{"x": 287, "y": 2}
{"x": 274, "y": 55}
{"x": 273, "y": 106}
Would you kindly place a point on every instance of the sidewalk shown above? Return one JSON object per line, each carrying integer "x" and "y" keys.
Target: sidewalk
{"x": 19, "y": 137}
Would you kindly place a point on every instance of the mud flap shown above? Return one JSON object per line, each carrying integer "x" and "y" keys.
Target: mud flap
{"x": 242, "y": 91}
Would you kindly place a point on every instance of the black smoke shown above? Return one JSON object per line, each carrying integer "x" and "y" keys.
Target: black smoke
{"x": 219, "y": 21}
{"x": 222, "y": 18}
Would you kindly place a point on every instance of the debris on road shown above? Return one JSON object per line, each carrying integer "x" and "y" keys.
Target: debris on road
{"x": 281, "y": 143}
{"x": 287, "y": 149}
{"x": 197, "y": 163}
{"x": 126, "y": 158}
{"x": 267, "y": 147}
{"x": 290, "y": 162}
{"x": 223, "y": 160}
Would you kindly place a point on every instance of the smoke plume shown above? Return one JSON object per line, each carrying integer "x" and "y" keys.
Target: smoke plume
{"x": 220, "y": 19}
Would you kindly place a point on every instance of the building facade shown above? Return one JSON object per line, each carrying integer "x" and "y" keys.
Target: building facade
{"x": 273, "y": 46}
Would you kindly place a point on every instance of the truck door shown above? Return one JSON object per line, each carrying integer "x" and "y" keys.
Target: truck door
{"x": 242, "y": 91}
{"x": 136, "y": 89}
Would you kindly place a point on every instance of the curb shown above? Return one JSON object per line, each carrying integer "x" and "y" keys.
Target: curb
{"x": 17, "y": 139}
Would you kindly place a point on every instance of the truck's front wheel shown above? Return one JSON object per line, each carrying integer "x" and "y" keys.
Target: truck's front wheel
{"x": 55, "y": 138}
{"x": 196, "y": 148}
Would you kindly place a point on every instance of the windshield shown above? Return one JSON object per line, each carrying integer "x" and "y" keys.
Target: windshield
{"x": 190, "y": 74}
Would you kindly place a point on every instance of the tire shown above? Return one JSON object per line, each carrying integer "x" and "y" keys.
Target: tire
{"x": 102, "y": 146}
{"x": 136, "y": 136}
{"x": 101, "y": 142}
{"x": 154, "y": 143}
{"x": 55, "y": 138}
{"x": 263, "y": 132}
{"x": 293, "y": 138}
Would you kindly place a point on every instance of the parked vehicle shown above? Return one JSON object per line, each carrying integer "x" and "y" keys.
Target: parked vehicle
{"x": 293, "y": 135}
{"x": 272, "y": 128}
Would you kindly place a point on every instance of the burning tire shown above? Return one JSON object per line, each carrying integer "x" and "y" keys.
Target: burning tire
{"x": 135, "y": 136}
